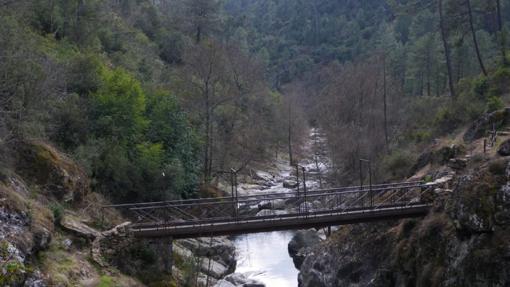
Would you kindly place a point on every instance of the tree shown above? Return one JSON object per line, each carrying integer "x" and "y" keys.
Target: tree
{"x": 203, "y": 17}
{"x": 473, "y": 34}
{"x": 447, "y": 53}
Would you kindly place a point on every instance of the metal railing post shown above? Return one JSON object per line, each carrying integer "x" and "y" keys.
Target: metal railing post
{"x": 304, "y": 187}
{"x": 237, "y": 194}
{"x": 232, "y": 193}
{"x": 370, "y": 182}
{"x": 297, "y": 179}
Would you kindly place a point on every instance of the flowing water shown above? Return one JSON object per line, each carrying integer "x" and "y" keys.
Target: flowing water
{"x": 264, "y": 256}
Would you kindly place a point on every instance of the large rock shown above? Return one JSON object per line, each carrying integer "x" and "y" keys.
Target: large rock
{"x": 504, "y": 148}
{"x": 301, "y": 241}
{"x": 290, "y": 184}
{"x": 238, "y": 280}
{"x": 220, "y": 249}
{"x": 439, "y": 156}
{"x": 55, "y": 173}
{"x": 482, "y": 125}
{"x": 74, "y": 225}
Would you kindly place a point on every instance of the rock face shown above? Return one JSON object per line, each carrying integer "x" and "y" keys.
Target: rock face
{"x": 290, "y": 183}
{"x": 300, "y": 245}
{"x": 479, "y": 128}
{"x": 58, "y": 176}
{"x": 238, "y": 280}
{"x": 463, "y": 241}
{"x": 504, "y": 148}
{"x": 79, "y": 228}
{"x": 440, "y": 156}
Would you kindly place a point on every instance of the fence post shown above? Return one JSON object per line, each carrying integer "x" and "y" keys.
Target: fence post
{"x": 232, "y": 191}
{"x": 304, "y": 187}
{"x": 297, "y": 179}
{"x": 370, "y": 183}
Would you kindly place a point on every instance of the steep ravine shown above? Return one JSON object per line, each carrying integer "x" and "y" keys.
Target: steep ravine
{"x": 463, "y": 241}
{"x": 264, "y": 257}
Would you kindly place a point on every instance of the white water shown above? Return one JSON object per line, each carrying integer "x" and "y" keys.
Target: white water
{"x": 264, "y": 256}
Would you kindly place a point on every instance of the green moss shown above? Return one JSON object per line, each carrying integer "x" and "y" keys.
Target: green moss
{"x": 105, "y": 281}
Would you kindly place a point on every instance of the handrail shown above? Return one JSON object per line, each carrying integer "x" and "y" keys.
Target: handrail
{"x": 351, "y": 189}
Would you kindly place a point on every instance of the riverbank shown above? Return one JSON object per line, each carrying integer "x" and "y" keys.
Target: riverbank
{"x": 264, "y": 257}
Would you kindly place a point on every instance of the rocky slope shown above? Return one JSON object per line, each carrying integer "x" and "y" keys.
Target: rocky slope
{"x": 463, "y": 241}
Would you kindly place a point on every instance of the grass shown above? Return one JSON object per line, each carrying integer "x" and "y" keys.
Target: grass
{"x": 105, "y": 281}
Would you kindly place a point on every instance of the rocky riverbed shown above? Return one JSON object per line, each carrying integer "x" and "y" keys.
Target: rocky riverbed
{"x": 263, "y": 259}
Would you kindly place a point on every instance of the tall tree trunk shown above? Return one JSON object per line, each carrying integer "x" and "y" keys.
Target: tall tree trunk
{"x": 475, "y": 40}
{"x": 501, "y": 32}
{"x": 385, "y": 103}
{"x": 207, "y": 127}
{"x": 198, "y": 34}
{"x": 442, "y": 26}
{"x": 291, "y": 159}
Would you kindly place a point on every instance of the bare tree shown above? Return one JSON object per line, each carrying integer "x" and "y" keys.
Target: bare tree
{"x": 444, "y": 38}
{"x": 473, "y": 34}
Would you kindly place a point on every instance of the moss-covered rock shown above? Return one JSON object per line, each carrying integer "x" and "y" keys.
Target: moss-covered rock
{"x": 54, "y": 173}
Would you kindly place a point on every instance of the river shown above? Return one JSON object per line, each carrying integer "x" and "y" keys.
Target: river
{"x": 264, "y": 256}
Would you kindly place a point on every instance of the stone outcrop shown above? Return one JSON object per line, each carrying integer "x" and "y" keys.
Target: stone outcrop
{"x": 57, "y": 175}
{"x": 504, "y": 148}
{"x": 300, "y": 245}
{"x": 485, "y": 123}
{"x": 462, "y": 242}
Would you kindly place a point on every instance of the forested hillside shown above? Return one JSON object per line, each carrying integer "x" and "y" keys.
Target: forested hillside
{"x": 123, "y": 101}
{"x": 382, "y": 77}
{"x": 145, "y": 94}
{"x": 155, "y": 97}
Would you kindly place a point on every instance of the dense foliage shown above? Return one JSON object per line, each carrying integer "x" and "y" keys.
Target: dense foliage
{"x": 142, "y": 93}
{"x": 155, "y": 98}
{"x": 382, "y": 77}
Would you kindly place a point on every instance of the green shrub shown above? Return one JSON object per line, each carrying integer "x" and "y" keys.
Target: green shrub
{"x": 481, "y": 86}
{"x": 398, "y": 164}
{"x": 494, "y": 103}
{"x": 58, "y": 211}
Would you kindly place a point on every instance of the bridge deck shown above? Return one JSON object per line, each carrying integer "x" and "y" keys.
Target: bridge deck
{"x": 316, "y": 208}
{"x": 275, "y": 223}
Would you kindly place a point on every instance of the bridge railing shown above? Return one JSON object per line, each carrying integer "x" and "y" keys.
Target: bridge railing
{"x": 315, "y": 202}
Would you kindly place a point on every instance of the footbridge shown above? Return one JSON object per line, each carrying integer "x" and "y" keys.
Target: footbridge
{"x": 266, "y": 212}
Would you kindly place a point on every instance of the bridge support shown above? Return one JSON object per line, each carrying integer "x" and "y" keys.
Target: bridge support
{"x": 167, "y": 251}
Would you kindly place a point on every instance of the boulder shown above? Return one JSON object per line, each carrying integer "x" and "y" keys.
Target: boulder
{"x": 214, "y": 268}
{"x": 457, "y": 163}
{"x": 58, "y": 175}
{"x": 41, "y": 239}
{"x": 290, "y": 184}
{"x": 302, "y": 240}
{"x": 72, "y": 224}
{"x": 220, "y": 249}
{"x": 482, "y": 125}
{"x": 262, "y": 175}
{"x": 224, "y": 283}
{"x": 504, "y": 148}
{"x": 238, "y": 279}
{"x": 270, "y": 212}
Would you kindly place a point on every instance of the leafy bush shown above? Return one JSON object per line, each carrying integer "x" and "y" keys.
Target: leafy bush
{"x": 58, "y": 211}
{"x": 481, "y": 86}
{"x": 494, "y": 103}
{"x": 398, "y": 163}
